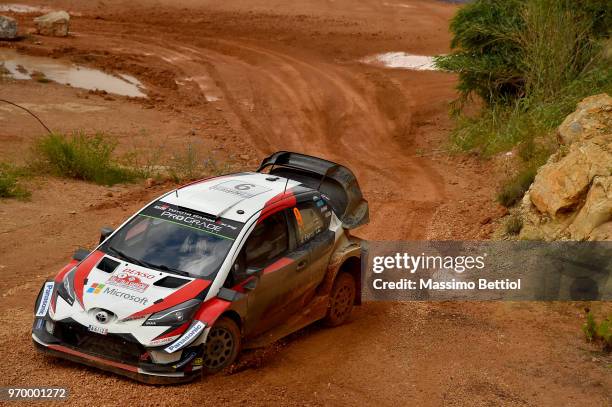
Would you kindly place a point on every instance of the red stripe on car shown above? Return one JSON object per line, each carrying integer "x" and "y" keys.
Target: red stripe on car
{"x": 281, "y": 201}
{"x": 83, "y": 271}
{"x": 278, "y": 264}
{"x": 174, "y": 332}
{"x": 189, "y": 291}
{"x": 64, "y": 349}
{"x": 60, "y": 276}
{"x": 211, "y": 310}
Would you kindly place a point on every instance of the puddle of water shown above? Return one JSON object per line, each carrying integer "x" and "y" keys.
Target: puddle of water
{"x": 402, "y": 60}
{"x": 401, "y": 5}
{"x": 22, "y": 67}
{"x": 22, "y": 8}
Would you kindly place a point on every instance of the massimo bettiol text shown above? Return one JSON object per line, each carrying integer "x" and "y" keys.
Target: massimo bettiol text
{"x": 455, "y": 270}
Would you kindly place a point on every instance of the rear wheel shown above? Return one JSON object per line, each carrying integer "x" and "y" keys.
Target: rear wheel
{"x": 341, "y": 300}
{"x": 222, "y": 346}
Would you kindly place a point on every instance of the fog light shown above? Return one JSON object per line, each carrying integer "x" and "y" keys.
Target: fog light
{"x": 50, "y": 326}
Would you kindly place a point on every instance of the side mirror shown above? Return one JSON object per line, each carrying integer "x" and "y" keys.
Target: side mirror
{"x": 255, "y": 272}
{"x": 105, "y": 232}
{"x": 80, "y": 254}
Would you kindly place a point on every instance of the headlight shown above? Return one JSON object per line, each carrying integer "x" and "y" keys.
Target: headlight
{"x": 175, "y": 315}
{"x": 65, "y": 288}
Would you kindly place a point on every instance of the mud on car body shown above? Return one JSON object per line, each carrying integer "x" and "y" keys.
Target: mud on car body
{"x": 205, "y": 270}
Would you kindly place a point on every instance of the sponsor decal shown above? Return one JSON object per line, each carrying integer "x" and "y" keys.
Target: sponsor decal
{"x": 189, "y": 358}
{"x": 97, "y": 329}
{"x": 163, "y": 341}
{"x": 129, "y": 278}
{"x": 189, "y": 336}
{"x": 198, "y": 361}
{"x": 224, "y": 228}
{"x": 241, "y": 189}
{"x": 95, "y": 288}
{"x": 45, "y": 300}
{"x": 125, "y": 296}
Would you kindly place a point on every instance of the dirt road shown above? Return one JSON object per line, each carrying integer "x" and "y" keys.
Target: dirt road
{"x": 247, "y": 78}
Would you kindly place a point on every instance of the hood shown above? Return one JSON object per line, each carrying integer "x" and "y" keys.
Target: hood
{"x": 335, "y": 181}
{"x": 130, "y": 292}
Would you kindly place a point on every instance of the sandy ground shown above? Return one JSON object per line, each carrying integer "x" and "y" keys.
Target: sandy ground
{"x": 243, "y": 79}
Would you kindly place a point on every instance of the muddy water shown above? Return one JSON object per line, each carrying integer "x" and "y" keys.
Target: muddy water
{"x": 402, "y": 60}
{"x": 22, "y": 8}
{"x": 22, "y": 67}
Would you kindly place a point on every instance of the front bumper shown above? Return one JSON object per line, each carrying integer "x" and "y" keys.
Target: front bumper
{"x": 128, "y": 363}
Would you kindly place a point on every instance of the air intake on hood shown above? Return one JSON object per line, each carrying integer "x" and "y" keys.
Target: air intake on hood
{"x": 171, "y": 282}
{"x": 108, "y": 265}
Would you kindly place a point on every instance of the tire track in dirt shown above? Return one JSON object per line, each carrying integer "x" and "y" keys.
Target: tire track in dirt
{"x": 284, "y": 102}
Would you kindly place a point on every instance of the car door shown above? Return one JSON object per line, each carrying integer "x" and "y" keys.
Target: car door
{"x": 269, "y": 247}
{"x": 309, "y": 222}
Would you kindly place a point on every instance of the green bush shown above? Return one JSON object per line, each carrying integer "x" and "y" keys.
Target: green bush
{"x": 514, "y": 224}
{"x": 505, "y": 50}
{"x": 513, "y": 190}
{"x": 84, "y": 157}
{"x": 598, "y": 332}
{"x": 9, "y": 183}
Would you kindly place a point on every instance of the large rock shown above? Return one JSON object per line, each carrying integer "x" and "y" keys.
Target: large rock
{"x": 596, "y": 211}
{"x": 571, "y": 196}
{"x": 593, "y": 116}
{"x": 8, "y": 28}
{"x": 602, "y": 232}
{"x": 56, "y": 23}
{"x": 565, "y": 179}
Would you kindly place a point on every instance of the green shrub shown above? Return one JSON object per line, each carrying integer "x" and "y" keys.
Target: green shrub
{"x": 505, "y": 50}
{"x": 9, "y": 183}
{"x": 513, "y": 190}
{"x": 598, "y": 332}
{"x": 84, "y": 157}
{"x": 514, "y": 224}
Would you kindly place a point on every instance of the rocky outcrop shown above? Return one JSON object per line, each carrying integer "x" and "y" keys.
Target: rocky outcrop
{"x": 56, "y": 24}
{"x": 593, "y": 116}
{"x": 8, "y": 28}
{"x": 571, "y": 196}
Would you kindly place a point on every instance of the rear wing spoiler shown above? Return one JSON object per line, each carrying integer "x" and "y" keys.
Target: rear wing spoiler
{"x": 335, "y": 181}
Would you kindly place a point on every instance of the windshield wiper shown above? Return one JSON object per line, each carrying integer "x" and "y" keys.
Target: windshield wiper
{"x": 163, "y": 267}
{"x": 143, "y": 263}
{"x": 126, "y": 257}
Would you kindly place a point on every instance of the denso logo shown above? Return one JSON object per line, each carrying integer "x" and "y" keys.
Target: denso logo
{"x": 138, "y": 273}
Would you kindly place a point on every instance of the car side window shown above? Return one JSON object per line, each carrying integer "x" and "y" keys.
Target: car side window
{"x": 310, "y": 218}
{"x": 268, "y": 240}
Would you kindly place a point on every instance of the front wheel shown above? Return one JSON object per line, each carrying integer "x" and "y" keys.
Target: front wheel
{"x": 222, "y": 346}
{"x": 341, "y": 300}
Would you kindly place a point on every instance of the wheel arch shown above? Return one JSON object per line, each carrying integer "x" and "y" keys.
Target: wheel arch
{"x": 234, "y": 316}
{"x": 352, "y": 266}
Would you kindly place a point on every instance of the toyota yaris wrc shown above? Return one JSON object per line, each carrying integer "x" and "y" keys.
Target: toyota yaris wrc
{"x": 237, "y": 261}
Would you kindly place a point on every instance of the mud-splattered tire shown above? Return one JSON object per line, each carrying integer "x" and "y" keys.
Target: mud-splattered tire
{"x": 341, "y": 300}
{"x": 222, "y": 346}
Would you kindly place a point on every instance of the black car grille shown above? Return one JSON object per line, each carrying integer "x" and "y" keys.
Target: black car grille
{"x": 110, "y": 346}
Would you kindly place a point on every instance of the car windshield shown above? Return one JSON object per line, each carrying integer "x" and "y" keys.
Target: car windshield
{"x": 175, "y": 239}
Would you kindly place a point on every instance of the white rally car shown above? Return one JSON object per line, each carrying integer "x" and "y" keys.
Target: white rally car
{"x": 207, "y": 269}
